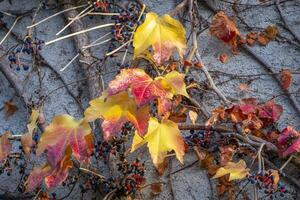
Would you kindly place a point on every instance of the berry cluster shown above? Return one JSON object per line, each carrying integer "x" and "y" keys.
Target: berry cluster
{"x": 125, "y": 22}
{"x": 266, "y": 181}
{"x": 29, "y": 46}
{"x": 201, "y": 138}
{"x": 102, "y": 6}
{"x": 104, "y": 148}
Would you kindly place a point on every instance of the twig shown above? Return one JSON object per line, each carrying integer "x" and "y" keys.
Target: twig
{"x": 94, "y": 85}
{"x": 11, "y": 28}
{"x": 178, "y": 8}
{"x": 92, "y": 172}
{"x": 79, "y": 32}
{"x": 56, "y": 14}
{"x": 285, "y": 164}
{"x": 74, "y": 19}
{"x": 286, "y": 24}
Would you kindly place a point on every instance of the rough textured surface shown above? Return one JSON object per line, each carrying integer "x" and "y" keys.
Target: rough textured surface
{"x": 193, "y": 182}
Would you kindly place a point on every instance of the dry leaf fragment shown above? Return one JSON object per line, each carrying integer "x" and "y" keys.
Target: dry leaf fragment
{"x": 236, "y": 171}
{"x": 156, "y": 188}
{"x": 223, "y": 58}
{"x": 263, "y": 39}
{"x": 5, "y": 146}
{"x": 26, "y": 139}
{"x": 286, "y": 78}
{"x": 193, "y": 116}
{"x": 271, "y": 32}
{"x": 244, "y": 87}
{"x": 10, "y": 109}
{"x": 223, "y": 28}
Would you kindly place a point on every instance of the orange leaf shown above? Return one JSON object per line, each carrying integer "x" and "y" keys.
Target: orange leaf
{"x": 286, "y": 78}
{"x": 263, "y": 39}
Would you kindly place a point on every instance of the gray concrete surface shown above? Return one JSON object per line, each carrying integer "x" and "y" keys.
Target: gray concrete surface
{"x": 192, "y": 183}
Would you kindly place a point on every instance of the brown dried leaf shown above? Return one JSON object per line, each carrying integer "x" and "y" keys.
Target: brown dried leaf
{"x": 286, "y": 78}
{"x": 10, "y": 108}
{"x": 223, "y": 58}
{"x": 156, "y": 188}
{"x": 250, "y": 41}
{"x": 271, "y": 32}
{"x": 263, "y": 39}
{"x": 5, "y": 146}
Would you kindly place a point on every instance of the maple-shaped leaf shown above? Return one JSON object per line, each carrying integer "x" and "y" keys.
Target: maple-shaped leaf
{"x": 288, "y": 141}
{"x": 53, "y": 175}
{"x": 5, "y": 146}
{"x": 236, "y": 171}
{"x": 116, "y": 110}
{"x": 65, "y": 131}
{"x": 26, "y": 139}
{"x": 142, "y": 86}
{"x": 161, "y": 138}
{"x": 163, "y": 33}
{"x": 223, "y": 28}
{"x": 175, "y": 82}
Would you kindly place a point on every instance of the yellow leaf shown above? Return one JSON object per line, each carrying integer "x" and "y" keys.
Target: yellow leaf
{"x": 193, "y": 116}
{"x": 161, "y": 138}
{"x": 163, "y": 33}
{"x": 26, "y": 139}
{"x": 33, "y": 119}
{"x": 176, "y": 82}
{"x": 115, "y": 110}
{"x": 236, "y": 171}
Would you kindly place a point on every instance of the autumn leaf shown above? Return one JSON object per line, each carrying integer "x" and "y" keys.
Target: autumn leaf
{"x": 271, "y": 32}
{"x": 163, "y": 33}
{"x": 223, "y": 58}
{"x": 236, "y": 171}
{"x": 262, "y": 39}
{"x": 226, "y": 154}
{"x": 288, "y": 141}
{"x": 161, "y": 138}
{"x": 193, "y": 116}
{"x": 286, "y": 78}
{"x": 144, "y": 88}
{"x": 115, "y": 111}
{"x": 223, "y": 28}
{"x": 65, "y": 131}
{"x": 26, "y": 139}
{"x": 217, "y": 114}
{"x": 5, "y": 146}
{"x": 53, "y": 175}
{"x": 10, "y": 109}
{"x": 156, "y": 188}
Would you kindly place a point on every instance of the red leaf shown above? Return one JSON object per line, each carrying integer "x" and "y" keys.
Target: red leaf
{"x": 270, "y": 112}
{"x": 142, "y": 86}
{"x": 223, "y": 58}
{"x": 288, "y": 141}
